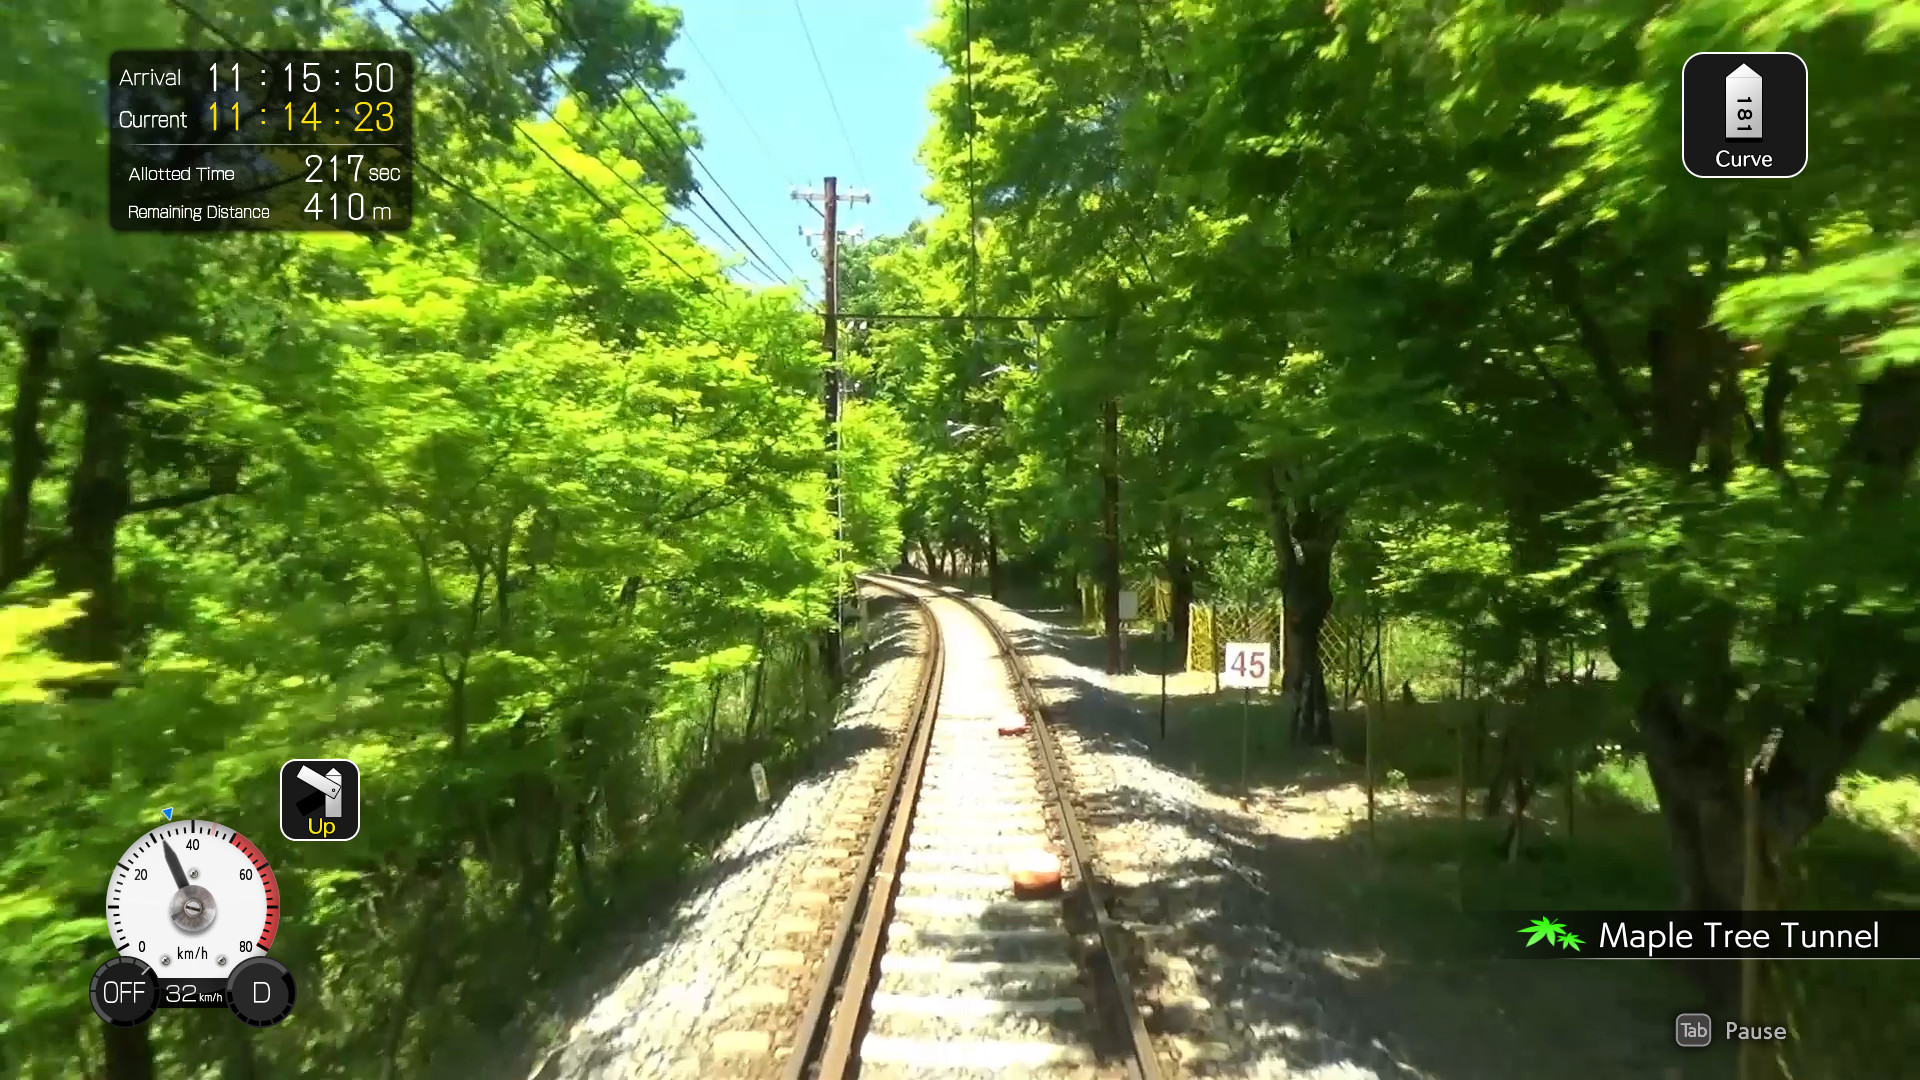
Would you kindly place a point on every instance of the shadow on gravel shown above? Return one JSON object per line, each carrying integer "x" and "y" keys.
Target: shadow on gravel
{"x": 662, "y": 903}
{"x": 893, "y": 635}
{"x": 1133, "y": 719}
{"x": 589, "y": 977}
{"x": 1317, "y": 957}
{"x": 1141, "y": 652}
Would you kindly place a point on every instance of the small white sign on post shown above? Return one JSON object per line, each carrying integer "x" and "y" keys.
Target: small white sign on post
{"x": 1247, "y": 665}
{"x": 760, "y": 789}
{"x": 1129, "y": 605}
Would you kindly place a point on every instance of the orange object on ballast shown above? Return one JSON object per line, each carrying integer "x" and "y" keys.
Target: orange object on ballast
{"x": 1014, "y": 725}
{"x": 1034, "y": 873}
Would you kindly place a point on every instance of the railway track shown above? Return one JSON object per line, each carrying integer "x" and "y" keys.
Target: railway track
{"x": 938, "y": 969}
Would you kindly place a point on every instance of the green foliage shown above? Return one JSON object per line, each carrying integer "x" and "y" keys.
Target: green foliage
{"x": 875, "y": 448}
{"x": 540, "y": 541}
{"x": 26, "y": 666}
{"x": 1432, "y": 290}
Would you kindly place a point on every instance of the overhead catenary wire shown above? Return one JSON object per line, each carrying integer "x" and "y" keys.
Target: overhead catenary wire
{"x": 765, "y": 151}
{"x": 859, "y": 172}
{"x": 687, "y": 36}
{"x": 432, "y": 173}
{"x": 568, "y": 31}
{"x": 925, "y": 316}
{"x": 973, "y": 214}
{"x": 638, "y": 192}
{"x": 521, "y": 129}
{"x": 724, "y": 193}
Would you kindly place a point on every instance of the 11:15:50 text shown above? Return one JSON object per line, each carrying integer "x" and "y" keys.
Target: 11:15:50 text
{"x": 317, "y": 165}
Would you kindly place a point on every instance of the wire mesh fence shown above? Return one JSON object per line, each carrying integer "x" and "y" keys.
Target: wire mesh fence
{"x": 1152, "y": 600}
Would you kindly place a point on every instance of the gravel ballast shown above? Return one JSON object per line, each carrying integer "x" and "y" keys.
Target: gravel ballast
{"x": 716, "y": 974}
{"x": 1244, "y": 978}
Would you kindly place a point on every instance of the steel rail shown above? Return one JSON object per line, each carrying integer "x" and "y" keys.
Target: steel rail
{"x": 826, "y": 1032}
{"x": 1142, "y": 1063}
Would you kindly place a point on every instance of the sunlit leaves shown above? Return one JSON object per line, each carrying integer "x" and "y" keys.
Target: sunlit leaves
{"x": 1872, "y": 298}
{"x": 495, "y": 510}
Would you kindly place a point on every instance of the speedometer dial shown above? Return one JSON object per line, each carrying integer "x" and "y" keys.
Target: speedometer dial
{"x": 193, "y": 899}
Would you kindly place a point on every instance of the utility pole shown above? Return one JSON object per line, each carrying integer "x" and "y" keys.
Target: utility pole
{"x": 1110, "y": 535}
{"x": 830, "y": 198}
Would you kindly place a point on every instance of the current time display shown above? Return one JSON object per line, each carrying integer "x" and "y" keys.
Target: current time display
{"x": 215, "y": 140}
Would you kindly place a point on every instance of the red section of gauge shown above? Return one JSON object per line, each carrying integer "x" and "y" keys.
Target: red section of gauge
{"x": 268, "y": 884}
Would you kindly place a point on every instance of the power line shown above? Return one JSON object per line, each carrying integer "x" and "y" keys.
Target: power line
{"x": 432, "y": 173}
{"x": 973, "y": 215}
{"x": 858, "y": 170}
{"x": 724, "y": 193}
{"x": 438, "y": 177}
{"x": 521, "y": 129}
{"x": 634, "y": 82}
{"x": 915, "y": 316}
{"x": 687, "y": 36}
{"x": 638, "y": 192}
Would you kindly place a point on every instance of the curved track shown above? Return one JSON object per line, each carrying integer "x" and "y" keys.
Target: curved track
{"x": 937, "y": 969}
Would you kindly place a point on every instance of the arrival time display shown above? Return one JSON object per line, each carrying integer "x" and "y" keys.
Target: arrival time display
{"x": 214, "y": 140}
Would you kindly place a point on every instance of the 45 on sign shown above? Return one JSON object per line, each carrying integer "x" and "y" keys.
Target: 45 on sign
{"x": 1247, "y": 665}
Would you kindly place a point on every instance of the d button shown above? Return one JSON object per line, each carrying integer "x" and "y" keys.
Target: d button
{"x": 260, "y": 991}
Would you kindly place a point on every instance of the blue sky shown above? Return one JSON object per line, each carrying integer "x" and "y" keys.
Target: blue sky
{"x": 761, "y": 110}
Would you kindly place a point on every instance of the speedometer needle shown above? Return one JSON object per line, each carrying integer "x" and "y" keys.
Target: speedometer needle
{"x": 173, "y": 864}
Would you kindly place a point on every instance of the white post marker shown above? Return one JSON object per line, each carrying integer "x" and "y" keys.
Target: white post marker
{"x": 760, "y": 789}
{"x": 1247, "y": 665}
{"x": 1743, "y": 104}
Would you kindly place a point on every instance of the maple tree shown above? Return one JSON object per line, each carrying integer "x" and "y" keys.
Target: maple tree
{"x": 522, "y": 510}
{"x": 1431, "y": 290}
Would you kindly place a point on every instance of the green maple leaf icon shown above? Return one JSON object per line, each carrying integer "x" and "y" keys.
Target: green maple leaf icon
{"x": 1570, "y": 940}
{"x": 1543, "y": 930}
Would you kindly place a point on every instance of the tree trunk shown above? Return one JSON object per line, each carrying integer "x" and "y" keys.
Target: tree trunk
{"x": 99, "y": 495}
{"x": 714, "y": 687}
{"x": 759, "y": 679}
{"x": 1303, "y": 674}
{"x": 582, "y": 868}
{"x": 1699, "y": 785}
{"x": 240, "y": 1061}
{"x": 129, "y": 1053}
{"x": 993, "y": 562}
{"x": 416, "y": 975}
{"x": 1303, "y": 533}
{"x": 1180, "y": 581}
{"x": 29, "y": 451}
{"x": 1110, "y": 535}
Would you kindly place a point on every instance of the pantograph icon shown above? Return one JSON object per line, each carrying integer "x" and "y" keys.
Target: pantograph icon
{"x": 319, "y": 799}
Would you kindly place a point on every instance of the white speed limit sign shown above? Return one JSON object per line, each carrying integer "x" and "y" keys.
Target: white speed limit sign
{"x": 1247, "y": 665}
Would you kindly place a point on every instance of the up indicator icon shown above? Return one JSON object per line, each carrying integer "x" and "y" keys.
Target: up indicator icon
{"x": 1744, "y": 115}
{"x": 319, "y": 799}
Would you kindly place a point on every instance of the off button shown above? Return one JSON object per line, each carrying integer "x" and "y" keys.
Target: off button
{"x": 125, "y": 991}
{"x": 260, "y": 991}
